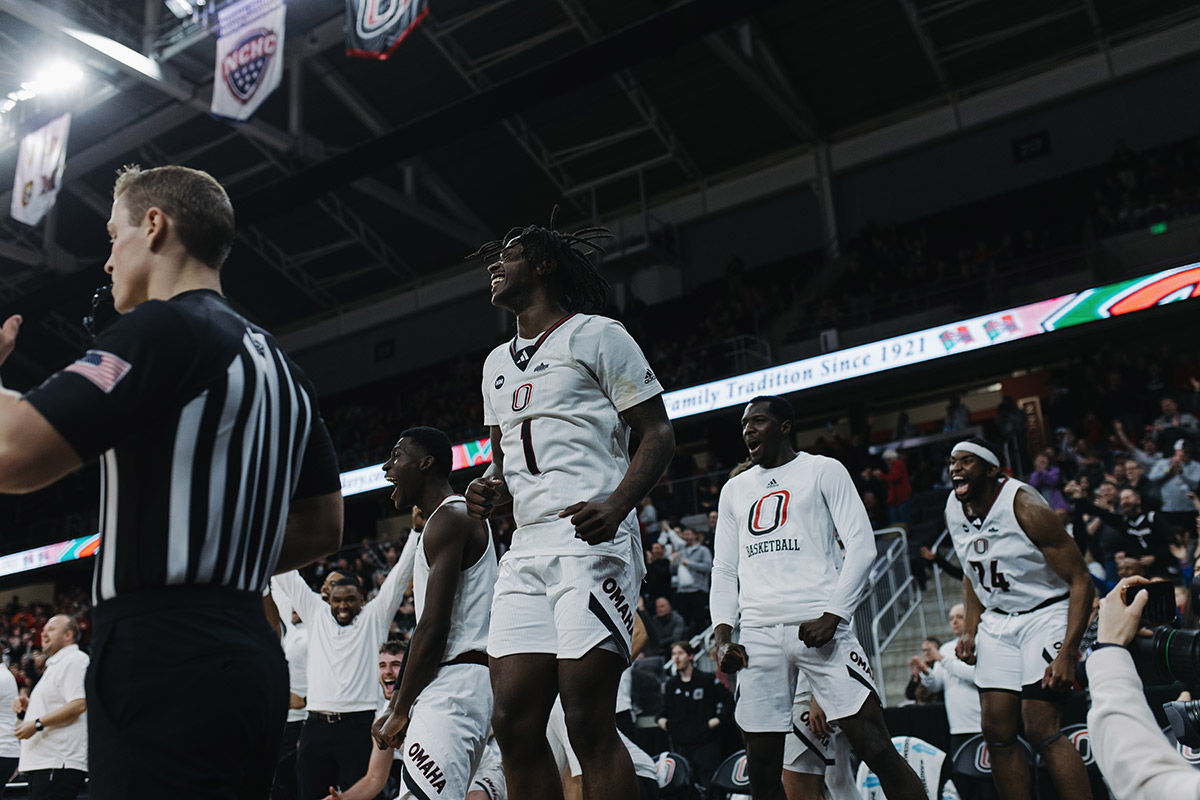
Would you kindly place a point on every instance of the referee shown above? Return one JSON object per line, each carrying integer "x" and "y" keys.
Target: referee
{"x": 216, "y": 472}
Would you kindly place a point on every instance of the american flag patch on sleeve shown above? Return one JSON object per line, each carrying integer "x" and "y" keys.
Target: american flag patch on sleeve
{"x": 101, "y": 368}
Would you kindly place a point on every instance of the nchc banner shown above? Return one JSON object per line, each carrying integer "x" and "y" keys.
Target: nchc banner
{"x": 374, "y": 28}
{"x": 249, "y": 57}
{"x": 40, "y": 163}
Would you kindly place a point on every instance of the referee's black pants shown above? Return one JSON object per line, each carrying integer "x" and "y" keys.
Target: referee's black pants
{"x": 333, "y": 753}
{"x": 187, "y": 696}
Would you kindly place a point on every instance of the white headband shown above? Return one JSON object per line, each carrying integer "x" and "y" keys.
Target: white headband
{"x": 977, "y": 450}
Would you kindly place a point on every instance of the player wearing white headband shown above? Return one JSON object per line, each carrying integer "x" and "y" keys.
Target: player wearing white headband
{"x": 1027, "y": 596}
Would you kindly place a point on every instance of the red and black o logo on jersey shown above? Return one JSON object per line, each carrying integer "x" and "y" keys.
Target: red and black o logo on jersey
{"x": 980, "y": 546}
{"x": 769, "y": 513}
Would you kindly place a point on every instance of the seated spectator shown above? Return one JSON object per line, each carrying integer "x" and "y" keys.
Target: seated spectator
{"x": 693, "y": 568}
{"x": 1047, "y": 479}
{"x": 695, "y": 705}
{"x": 955, "y": 680}
{"x": 658, "y": 574}
{"x": 930, "y": 655}
{"x": 1174, "y": 424}
{"x": 1135, "y": 478}
{"x": 667, "y": 623}
{"x": 1177, "y": 478}
{"x": 899, "y": 489}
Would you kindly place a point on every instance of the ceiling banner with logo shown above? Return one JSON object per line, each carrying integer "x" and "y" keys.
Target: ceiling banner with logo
{"x": 40, "y": 163}
{"x": 375, "y": 28}
{"x": 249, "y": 57}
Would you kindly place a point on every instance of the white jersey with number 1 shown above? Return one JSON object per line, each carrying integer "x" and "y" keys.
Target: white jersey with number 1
{"x": 557, "y": 400}
{"x": 1008, "y": 572}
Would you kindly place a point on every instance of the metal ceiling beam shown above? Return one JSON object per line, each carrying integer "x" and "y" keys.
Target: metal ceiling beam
{"x": 930, "y": 49}
{"x": 962, "y": 48}
{"x": 466, "y": 226}
{"x": 515, "y": 124}
{"x": 758, "y": 68}
{"x": 634, "y": 92}
{"x": 1098, "y": 33}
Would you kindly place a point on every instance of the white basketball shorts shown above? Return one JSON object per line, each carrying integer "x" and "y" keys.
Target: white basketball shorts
{"x": 564, "y": 605}
{"x": 1013, "y": 650}
{"x": 447, "y": 731}
{"x": 838, "y": 674}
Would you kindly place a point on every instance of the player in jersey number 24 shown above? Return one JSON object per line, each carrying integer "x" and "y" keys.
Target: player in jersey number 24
{"x": 1028, "y": 596}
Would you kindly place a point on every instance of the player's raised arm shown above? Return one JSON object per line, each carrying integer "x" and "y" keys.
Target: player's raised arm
{"x": 1062, "y": 555}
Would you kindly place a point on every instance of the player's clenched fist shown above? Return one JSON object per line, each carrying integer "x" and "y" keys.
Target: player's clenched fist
{"x": 483, "y": 494}
{"x": 965, "y": 649}
{"x": 732, "y": 657}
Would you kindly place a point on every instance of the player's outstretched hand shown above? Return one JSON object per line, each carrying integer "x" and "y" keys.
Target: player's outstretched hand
{"x": 732, "y": 657}
{"x": 595, "y": 522}
{"x": 965, "y": 649}
{"x": 8, "y": 336}
{"x": 819, "y": 632}
{"x": 482, "y": 496}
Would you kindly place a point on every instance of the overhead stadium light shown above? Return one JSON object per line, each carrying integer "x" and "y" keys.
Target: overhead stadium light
{"x": 182, "y": 9}
{"x": 57, "y": 77}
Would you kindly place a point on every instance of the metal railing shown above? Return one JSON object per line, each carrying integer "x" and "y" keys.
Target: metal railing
{"x": 892, "y": 596}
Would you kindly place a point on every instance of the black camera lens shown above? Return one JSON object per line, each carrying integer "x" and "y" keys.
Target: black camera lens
{"x": 1168, "y": 655}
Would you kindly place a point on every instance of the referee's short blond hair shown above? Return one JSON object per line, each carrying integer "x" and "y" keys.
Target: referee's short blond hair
{"x": 197, "y": 205}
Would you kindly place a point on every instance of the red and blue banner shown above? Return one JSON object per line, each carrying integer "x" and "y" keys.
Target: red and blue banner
{"x": 375, "y": 28}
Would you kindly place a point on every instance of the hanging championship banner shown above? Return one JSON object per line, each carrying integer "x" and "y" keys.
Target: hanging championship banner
{"x": 40, "y": 163}
{"x": 374, "y": 28}
{"x": 249, "y": 57}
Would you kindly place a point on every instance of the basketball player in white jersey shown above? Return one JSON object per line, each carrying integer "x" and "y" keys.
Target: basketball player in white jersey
{"x": 561, "y": 399}
{"x": 442, "y": 704}
{"x": 1028, "y": 596}
{"x": 779, "y": 571}
{"x": 816, "y": 757}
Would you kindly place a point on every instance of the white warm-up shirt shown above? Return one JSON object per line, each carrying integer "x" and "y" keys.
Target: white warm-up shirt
{"x": 557, "y": 400}
{"x": 63, "y": 746}
{"x": 777, "y": 559}
{"x": 10, "y": 746}
{"x": 343, "y": 660}
{"x": 957, "y": 680}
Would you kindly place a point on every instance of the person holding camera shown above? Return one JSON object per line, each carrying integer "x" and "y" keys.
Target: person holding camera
{"x": 1134, "y": 757}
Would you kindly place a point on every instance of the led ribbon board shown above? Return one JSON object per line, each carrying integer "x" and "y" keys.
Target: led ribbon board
{"x": 931, "y": 344}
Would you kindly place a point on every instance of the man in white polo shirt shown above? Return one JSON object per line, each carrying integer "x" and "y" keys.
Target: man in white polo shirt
{"x": 343, "y": 689}
{"x": 54, "y": 733}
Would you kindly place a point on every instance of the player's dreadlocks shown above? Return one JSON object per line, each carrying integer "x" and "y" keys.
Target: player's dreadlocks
{"x": 581, "y": 286}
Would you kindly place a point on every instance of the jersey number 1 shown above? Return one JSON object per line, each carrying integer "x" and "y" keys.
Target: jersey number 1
{"x": 527, "y": 445}
{"x": 999, "y": 582}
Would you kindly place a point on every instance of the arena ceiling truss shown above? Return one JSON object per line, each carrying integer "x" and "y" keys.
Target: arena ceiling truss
{"x": 357, "y": 180}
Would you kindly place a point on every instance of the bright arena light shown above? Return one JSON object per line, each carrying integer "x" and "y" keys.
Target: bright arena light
{"x": 58, "y": 76}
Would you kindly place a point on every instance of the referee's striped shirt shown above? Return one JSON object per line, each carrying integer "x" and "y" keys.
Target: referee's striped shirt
{"x": 207, "y": 431}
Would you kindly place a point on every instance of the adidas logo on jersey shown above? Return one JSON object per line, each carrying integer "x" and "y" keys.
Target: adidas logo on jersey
{"x": 541, "y": 367}
{"x": 649, "y": 377}
{"x": 773, "y": 483}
